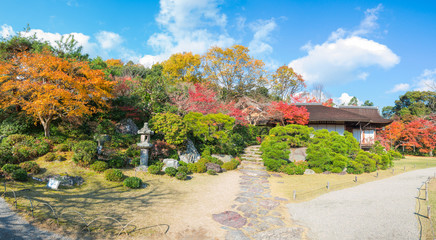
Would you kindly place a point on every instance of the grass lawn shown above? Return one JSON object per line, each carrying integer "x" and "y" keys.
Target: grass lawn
{"x": 428, "y": 227}
{"x": 183, "y": 206}
{"x": 308, "y": 187}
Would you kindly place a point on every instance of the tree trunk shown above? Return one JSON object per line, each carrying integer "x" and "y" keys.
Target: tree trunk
{"x": 46, "y": 124}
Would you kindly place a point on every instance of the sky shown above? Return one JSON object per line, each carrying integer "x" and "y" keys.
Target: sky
{"x": 374, "y": 50}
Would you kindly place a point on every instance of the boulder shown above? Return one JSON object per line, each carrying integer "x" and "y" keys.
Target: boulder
{"x": 191, "y": 154}
{"x": 308, "y": 172}
{"x": 127, "y": 126}
{"x": 169, "y": 162}
{"x": 2, "y": 137}
{"x": 297, "y": 154}
{"x": 66, "y": 180}
{"x": 223, "y": 157}
{"x": 213, "y": 166}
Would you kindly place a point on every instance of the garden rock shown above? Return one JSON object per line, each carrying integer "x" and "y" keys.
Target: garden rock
{"x": 230, "y": 219}
{"x": 169, "y": 162}
{"x": 297, "y": 154}
{"x": 66, "y": 180}
{"x": 127, "y": 126}
{"x": 191, "y": 154}
{"x": 308, "y": 172}
{"x": 213, "y": 166}
{"x": 223, "y": 157}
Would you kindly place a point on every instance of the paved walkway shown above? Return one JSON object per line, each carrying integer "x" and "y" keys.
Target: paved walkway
{"x": 14, "y": 227}
{"x": 255, "y": 213}
{"x": 383, "y": 209}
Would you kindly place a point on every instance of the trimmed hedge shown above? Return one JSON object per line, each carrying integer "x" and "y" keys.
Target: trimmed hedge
{"x": 132, "y": 182}
{"x": 30, "y": 167}
{"x": 19, "y": 175}
{"x": 114, "y": 175}
{"x": 99, "y": 166}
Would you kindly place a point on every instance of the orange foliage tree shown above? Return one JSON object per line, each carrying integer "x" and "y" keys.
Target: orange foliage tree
{"x": 290, "y": 113}
{"x": 48, "y": 87}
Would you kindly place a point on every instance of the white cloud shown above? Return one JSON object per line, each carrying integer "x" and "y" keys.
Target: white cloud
{"x": 262, "y": 30}
{"x": 344, "y": 99}
{"x": 188, "y": 26}
{"x": 401, "y": 87}
{"x": 345, "y": 55}
{"x": 426, "y": 81}
{"x": 342, "y": 60}
{"x": 108, "y": 40}
{"x": 6, "y": 31}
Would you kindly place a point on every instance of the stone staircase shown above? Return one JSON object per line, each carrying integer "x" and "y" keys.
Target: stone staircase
{"x": 251, "y": 159}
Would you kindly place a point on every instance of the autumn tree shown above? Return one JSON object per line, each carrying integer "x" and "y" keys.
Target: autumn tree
{"x": 288, "y": 113}
{"x": 182, "y": 67}
{"x": 285, "y": 82}
{"x": 234, "y": 70}
{"x": 48, "y": 87}
{"x": 389, "y": 137}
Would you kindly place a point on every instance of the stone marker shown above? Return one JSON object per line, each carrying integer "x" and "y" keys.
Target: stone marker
{"x": 213, "y": 166}
{"x": 53, "y": 183}
{"x": 308, "y": 172}
{"x": 223, "y": 157}
{"x": 145, "y": 144}
{"x": 191, "y": 154}
{"x": 169, "y": 162}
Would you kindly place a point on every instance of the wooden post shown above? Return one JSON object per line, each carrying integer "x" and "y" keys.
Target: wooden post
{"x": 426, "y": 191}
{"x": 376, "y": 175}
{"x": 428, "y": 212}
{"x": 295, "y": 195}
{"x": 414, "y": 165}
{"x": 328, "y": 185}
{"x": 393, "y": 170}
{"x": 355, "y": 178}
{"x": 404, "y": 168}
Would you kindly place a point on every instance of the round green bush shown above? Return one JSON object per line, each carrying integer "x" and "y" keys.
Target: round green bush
{"x": 192, "y": 167}
{"x": 154, "y": 169}
{"x": 19, "y": 175}
{"x": 211, "y": 172}
{"x": 170, "y": 171}
{"x": 99, "y": 166}
{"x": 132, "y": 182}
{"x": 114, "y": 175}
{"x": 317, "y": 170}
{"x": 9, "y": 168}
{"x": 183, "y": 169}
{"x": 290, "y": 170}
{"x": 50, "y": 157}
{"x": 233, "y": 164}
{"x": 30, "y": 167}
{"x": 62, "y": 148}
{"x": 337, "y": 170}
{"x": 181, "y": 176}
{"x": 135, "y": 161}
{"x": 201, "y": 167}
{"x": 85, "y": 152}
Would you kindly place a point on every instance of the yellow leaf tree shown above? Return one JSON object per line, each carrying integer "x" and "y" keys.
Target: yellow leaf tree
{"x": 182, "y": 67}
{"x": 48, "y": 87}
{"x": 234, "y": 70}
{"x": 286, "y": 82}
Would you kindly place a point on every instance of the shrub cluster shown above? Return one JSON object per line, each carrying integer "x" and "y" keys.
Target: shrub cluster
{"x": 132, "y": 182}
{"x": 85, "y": 152}
{"x": 99, "y": 166}
{"x": 9, "y": 168}
{"x": 155, "y": 169}
{"x": 170, "y": 171}
{"x": 30, "y": 167}
{"x": 19, "y": 148}
{"x": 114, "y": 175}
{"x": 19, "y": 175}
{"x": 275, "y": 147}
{"x": 233, "y": 164}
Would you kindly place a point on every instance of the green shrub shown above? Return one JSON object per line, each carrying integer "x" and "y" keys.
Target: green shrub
{"x": 19, "y": 175}
{"x": 275, "y": 153}
{"x": 200, "y": 166}
{"x": 192, "y": 167}
{"x": 50, "y": 157}
{"x": 183, "y": 169}
{"x": 170, "y": 171}
{"x": 62, "y": 148}
{"x": 355, "y": 167}
{"x": 288, "y": 169}
{"x": 135, "y": 161}
{"x": 30, "y": 167}
{"x": 154, "y": 169}
{"x": 337, "y": 170}
{"x": 396, "y": 155}
{"x": 181, "y": 176}
{"x": 171, "y": 126}
{"x": 233, "y": 164}
{"x": 317, "y": 170}
{"x": 99, "y": 166}
{"x": 114, "y": 175}
{"x": 9, "y": 168}
{"x": 132, "y": 182}
{"x": 211, "y": 172}
{"x": 300, "y": 168}
{"x": 85, "y": 152}
{"x": 182, "y": 163}
{"x": 117, "y": 161}
{"x": 133, "y": 151}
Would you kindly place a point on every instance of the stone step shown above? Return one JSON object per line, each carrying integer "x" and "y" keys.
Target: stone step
{"x": 251, "y": 162}
{"x": 253, "y": 153}
{"x": 253, "y": 167}
{"x": 253, "y": 159}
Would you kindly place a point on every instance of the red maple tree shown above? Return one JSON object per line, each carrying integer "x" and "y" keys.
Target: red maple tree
{"x": 288, "y": 113}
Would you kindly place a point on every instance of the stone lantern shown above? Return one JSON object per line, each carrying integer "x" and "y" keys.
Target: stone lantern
{"x": 145, "y": 144}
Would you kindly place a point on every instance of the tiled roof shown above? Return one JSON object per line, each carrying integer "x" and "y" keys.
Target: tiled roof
{"x": 318, "y": 112}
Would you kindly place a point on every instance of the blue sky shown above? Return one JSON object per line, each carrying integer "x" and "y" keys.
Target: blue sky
{"x": 373, "y": 50}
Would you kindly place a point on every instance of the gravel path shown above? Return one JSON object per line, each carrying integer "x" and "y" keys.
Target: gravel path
{"x": 383, "y": 209}
{"x": 14, "y": 227}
